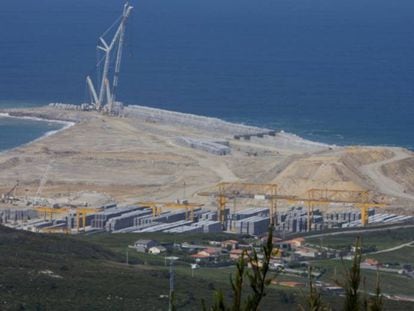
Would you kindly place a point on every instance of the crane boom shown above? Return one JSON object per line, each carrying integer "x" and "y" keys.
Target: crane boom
{"x": 99, "y": 100}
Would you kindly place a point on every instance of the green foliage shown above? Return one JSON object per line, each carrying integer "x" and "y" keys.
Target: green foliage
{"x": 352, "y": 282}
{"x": 257, "y": 278}
{"x": 376, "y": 303}
{"x": 314, "y": 300}
{"x": 377, "y": 240}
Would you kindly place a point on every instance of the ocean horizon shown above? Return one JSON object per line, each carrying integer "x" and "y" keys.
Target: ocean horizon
{"x": 329, "y": 71}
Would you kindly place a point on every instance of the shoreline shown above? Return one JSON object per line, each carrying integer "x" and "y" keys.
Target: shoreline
{"x": 149, "y": 113}
{"x": 145, "y": 113}
{"x": 115, "y": 155}
{"x": 65, "y": 125}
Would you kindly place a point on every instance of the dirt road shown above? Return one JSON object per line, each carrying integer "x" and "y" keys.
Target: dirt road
{"x": 383, "y": 183}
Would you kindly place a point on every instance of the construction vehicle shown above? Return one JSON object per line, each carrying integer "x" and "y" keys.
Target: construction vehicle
{"x": 159, "y": 207}
{"x": 10, "y": 196}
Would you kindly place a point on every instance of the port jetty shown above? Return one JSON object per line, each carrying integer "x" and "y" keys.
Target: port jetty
{"x": 152, "y": 155}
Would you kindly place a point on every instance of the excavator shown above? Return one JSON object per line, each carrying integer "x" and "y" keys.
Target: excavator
{"x": 10, "y": 196}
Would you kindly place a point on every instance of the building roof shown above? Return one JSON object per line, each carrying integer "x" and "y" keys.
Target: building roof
{"x": 211, "y": 250}
{"x": 142, "y": 241}
{"x": 230, "y": 242}
{"x": 201, "y": 255}
{"x": 159, "y": 247}
{"x": 291, "y": 284}
{"x": 371, "y": 262}
{"x": 236, "y": 251}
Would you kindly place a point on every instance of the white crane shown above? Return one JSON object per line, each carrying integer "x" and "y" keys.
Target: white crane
{"x": 42, "y": 183}
{"x": 105, "y": 99}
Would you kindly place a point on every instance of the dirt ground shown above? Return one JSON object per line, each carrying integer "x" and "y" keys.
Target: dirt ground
{"x": 132, "y": 159}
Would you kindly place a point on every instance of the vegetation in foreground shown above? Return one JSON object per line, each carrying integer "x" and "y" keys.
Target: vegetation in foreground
{"x": 257, "y": 280}
{"x": 53, "y": 272}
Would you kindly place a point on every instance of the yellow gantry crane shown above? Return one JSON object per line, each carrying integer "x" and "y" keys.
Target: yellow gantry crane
{"x": 226, "y": 191}
{"x": 357, "y": 198}
{"x": 50, "y": 212}
{"x": 81, "y": 213}
{"x": 158, "y": 207}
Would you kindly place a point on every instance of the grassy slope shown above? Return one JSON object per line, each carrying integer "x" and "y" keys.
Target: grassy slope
{"x": 381, "y": 240}
{"x": 403, "y": 256}
{"x": 94, "y": 276}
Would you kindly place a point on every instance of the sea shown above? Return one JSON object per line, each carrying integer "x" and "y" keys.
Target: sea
{"x": 334, "y": 71}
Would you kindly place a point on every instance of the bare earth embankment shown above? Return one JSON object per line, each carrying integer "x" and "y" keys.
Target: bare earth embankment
{"x": 139, "y": 157}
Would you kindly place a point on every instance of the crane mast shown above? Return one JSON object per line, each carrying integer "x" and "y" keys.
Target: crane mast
{"x": 104, "y": 100}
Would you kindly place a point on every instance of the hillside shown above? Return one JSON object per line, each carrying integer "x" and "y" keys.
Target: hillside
{"x": 49, "y": 272}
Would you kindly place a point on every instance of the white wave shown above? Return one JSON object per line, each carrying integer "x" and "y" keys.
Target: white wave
{"x": 7, "y": 115}
{"x": 66, "y": 125}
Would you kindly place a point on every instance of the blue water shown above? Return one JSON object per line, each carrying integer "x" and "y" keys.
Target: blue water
{"x": 330, "y": 70}
{"x": 15, "y": 132}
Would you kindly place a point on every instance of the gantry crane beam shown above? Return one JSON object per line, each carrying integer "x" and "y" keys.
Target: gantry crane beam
{"x": 81, "y": 213}
{"x": 227, "y": 190}
{"x": 358, "y": 198}
{"x": 233, "y": 190}
{"x": 158, "y": 207}
{"x": 51, "y": 211}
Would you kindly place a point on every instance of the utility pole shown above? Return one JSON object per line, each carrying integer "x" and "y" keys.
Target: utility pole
{"x": 171, "y": 294}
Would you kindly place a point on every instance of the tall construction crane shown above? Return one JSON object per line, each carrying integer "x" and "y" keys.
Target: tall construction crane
{"x": 106, "y": 98}
{"x": 159, "y": 207}
{"x": 226, "y": 191}
{"x": 43, "y": 181}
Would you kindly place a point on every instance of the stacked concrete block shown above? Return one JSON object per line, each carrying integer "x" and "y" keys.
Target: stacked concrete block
{"x": 125, "y": 220}
{"x": 208, "y": 226}
{"x": 17, "y": 215}
{"x": 185, "y": 229}
{"x": 214, "y": 147}
{"x": 255, "y": 225}
{"x": 101, "y": 218}
{"x": 165, "y": 226}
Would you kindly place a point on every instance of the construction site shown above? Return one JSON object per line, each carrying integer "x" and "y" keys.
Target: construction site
{"x": 120, "y": 168}
{"x": 233, "y": 210}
